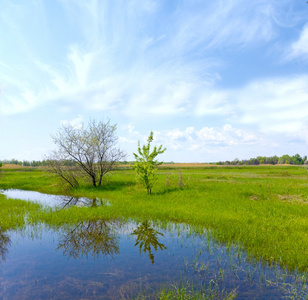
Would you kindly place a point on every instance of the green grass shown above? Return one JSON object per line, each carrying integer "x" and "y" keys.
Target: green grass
{"x": 188, "y": 293}
{"x": 264, "y": 209}
{"x": 12, "y": 213}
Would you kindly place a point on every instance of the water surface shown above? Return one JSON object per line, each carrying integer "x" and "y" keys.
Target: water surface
{"x": 116, "y": 259}
{"x": 59, "y": 201}
{"x": 112, "y": 259}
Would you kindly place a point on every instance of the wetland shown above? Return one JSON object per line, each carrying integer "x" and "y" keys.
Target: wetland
{"x": 227, "y": 233}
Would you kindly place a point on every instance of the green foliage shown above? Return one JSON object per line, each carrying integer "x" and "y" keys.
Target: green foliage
{"x": 146, "y": 165}
{"x": 146, "y": 238}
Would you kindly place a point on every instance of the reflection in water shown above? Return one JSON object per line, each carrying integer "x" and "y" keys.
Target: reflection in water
{"x": 147, "y": 236}
{"x": 90, "y": 238}
{"x": 100, "y": 237}
{"x": 33, "y": 270}
{"x": 68, "y": 201}
{"x": 5, "y": 242}
{"x": 60, "y": 201}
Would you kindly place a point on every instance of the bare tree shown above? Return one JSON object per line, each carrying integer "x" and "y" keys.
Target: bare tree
{"x": 92, "y": 152}
{"x": 5, "y": 242}
{"x": 58, "y": 165}
{"x": 96, "y": 238}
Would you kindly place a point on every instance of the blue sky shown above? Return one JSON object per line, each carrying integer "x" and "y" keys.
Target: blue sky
{"x": 214, "y": 80}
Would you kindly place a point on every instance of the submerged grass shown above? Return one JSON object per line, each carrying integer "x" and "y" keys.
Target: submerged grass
{"x": 264, "y": 209}
{"x": 188, "y": 293}
{"x": 12, "y": 213}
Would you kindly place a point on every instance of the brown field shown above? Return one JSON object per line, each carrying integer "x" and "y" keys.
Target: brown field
{"x": 187, "y": 165}
{"x": 175, "y": 165}
{"x": 178, "y": 165}
{"x": 10, "y": 166}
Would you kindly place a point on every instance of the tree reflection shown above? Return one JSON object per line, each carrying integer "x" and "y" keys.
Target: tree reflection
{"x": 147, "y": 237}
{"x": 68, "y": 201}
{"x": 91, "y": 237}
{"x": 5, "y": 242}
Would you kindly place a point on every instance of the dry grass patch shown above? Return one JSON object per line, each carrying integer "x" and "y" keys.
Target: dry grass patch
{"x": 293, "y": 199}
{"x": 11, "y": 166}
{"x": 254, "y": 197}
{"x": 187, "y": 165}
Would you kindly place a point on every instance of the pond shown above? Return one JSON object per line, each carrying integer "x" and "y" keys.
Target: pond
{"x": 59, "y": 201}
{"x": 116, "y": 259}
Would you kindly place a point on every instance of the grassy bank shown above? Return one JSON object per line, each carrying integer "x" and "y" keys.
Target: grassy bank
{"x": 12, "y": 213}
{"x": 262, "y": 208}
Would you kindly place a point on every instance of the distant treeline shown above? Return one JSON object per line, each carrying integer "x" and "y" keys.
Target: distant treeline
{"x": 32, "y": 163}
{"x": 38, "y": 163}
{"x": 269, "y": 160}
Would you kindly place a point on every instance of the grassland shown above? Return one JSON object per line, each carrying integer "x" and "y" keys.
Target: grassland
{"x": 262, "y": 208}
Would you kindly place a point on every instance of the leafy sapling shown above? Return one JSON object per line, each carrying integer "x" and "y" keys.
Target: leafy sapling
{"x": 146, "y": 165}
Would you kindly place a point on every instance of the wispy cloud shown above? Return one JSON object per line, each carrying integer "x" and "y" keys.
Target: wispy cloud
{"x": 275, "y": 105}
{"x": 182, "y": 62}
{"x": 136, "y": 56}
{"x": 299, "y": 48}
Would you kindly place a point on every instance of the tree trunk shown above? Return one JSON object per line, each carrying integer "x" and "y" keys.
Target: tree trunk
{"x": 100, "y": 180}
{"x": 93, "y": 180}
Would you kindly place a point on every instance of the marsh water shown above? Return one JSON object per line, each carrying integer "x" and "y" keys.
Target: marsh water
{"x": 116, "y": 259}
{"x": 59, "y": 201}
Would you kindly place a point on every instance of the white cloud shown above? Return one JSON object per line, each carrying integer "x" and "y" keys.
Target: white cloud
{"x": 130, "y": 128}
{"x": 228, "y": 23}
{"x": 123, "y": 140}
{"x": 214, "y": 102}
{"x": 159, "y": 60}
{"x": 176, "y": 138}
{"x": 193, "y": 139}
{"x": 299, "y": 49}
{"x": 228, "y": 136}
{"x": 77, "y": 122}
{"x": 197, "y": 144}
{"x": 274, "y": 105}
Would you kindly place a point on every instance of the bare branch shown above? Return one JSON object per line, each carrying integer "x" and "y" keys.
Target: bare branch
{"x": 92, "y": 149}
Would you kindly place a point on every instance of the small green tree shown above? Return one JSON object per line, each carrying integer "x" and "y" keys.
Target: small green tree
{"x": 146, "y": 238}
{"x": 146, "y": 165}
